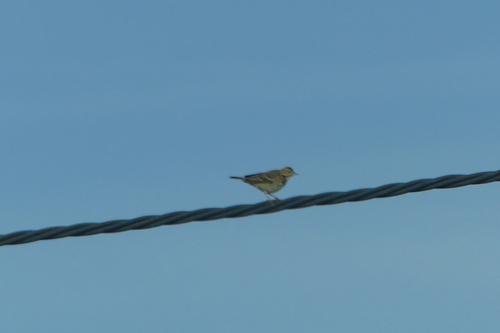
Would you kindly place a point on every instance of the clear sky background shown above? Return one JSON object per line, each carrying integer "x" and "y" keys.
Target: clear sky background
{"x": 119, "y": 109}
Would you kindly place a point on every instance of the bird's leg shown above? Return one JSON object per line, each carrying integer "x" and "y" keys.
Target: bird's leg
{"x": 269, "y": 199}
{"x": 275, "y": 197}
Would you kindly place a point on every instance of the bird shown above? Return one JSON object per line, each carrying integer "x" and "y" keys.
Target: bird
{"x": 269, "y": 182}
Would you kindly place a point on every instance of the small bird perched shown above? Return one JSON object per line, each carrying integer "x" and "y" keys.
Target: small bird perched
{"x": 269, "y": 182}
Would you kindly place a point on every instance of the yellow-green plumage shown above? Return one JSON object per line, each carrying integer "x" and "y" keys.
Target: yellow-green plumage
{"x": 269, "y": 182}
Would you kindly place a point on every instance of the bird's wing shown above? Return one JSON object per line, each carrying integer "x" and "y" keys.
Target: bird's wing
{"x": 259, "y": 178}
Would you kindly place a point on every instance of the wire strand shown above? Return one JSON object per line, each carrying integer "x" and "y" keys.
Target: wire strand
{"x": 210, "y": 214}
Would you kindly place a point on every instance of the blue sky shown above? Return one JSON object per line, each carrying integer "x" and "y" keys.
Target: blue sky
{"x": 114, "y": 110}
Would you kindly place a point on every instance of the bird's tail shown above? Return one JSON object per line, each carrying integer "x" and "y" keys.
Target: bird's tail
{"x": 236, "y": 177}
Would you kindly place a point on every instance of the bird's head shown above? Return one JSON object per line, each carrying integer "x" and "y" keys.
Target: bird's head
{"x": 287, "y": 172}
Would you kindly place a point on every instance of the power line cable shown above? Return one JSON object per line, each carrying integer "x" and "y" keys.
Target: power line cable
{"x": 210, "y": 214}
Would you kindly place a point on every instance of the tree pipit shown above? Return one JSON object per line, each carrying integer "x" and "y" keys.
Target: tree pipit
{"x": 269, "y": 182}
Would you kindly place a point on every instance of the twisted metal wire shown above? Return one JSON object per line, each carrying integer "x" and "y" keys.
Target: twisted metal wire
{"x": 210, "y": 214}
